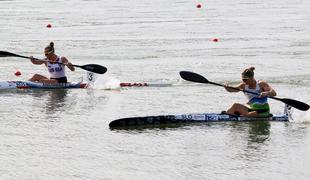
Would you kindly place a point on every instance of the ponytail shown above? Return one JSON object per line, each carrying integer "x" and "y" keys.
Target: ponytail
{"x": 248, "y": 72}
{"x": 50, "y": 47}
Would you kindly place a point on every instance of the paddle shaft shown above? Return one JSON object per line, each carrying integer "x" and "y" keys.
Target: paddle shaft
{"x": 234, "y": 88}
{"x": 95, "y": 68}
{"x": 280, "y": 99}
{"x": 16, "y": 55}
{"x": 4, "y": 53}
{"x": 89, "y": 67}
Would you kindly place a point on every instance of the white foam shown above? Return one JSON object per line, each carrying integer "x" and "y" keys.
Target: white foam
{"x": 106, "y": 83}
{"x": 301, "y": 116}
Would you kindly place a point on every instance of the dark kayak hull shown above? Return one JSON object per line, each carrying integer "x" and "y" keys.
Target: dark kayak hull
{"x": 189, "y": 118}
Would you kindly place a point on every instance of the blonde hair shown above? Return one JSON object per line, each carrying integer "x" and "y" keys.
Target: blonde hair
{"x": 248, "y": 72}
{"x": 50, "y": 48}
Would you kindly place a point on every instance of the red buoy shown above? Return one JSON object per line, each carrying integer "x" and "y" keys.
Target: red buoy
{"x": 215, "y": 40}
{"x": 18, "y": 73}
{"x": 198, "y": 6}
{"x": 48, "y": 25}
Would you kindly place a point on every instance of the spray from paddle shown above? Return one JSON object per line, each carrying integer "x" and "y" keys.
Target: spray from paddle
{"x": 301, "y": 117}
{"x": 102, "y": 82}
{"x": 107, "y": 83}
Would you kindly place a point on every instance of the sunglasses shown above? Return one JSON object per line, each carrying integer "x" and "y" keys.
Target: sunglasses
{"x": 48, "y": 53}
{"x": 245, "y": 79}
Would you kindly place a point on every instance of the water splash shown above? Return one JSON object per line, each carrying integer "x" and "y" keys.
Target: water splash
{"x": 301, "y": 117}
{"x": 306, "y": 118}
{"x": 106, "y": 83}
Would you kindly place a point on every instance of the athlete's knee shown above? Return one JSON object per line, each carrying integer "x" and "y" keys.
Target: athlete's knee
{"x": 236, "y": 105}
{"x": 36, "y": 76}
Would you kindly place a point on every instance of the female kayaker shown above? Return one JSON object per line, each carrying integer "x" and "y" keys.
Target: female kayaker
{"x": 55, "y": 65}
{"x": 257, "y": 105}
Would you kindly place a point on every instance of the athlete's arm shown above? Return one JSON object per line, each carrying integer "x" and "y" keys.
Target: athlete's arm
{"x": 66, "y": 62}
{"x": 233, "y": 89}
{"x": 267, "y": 90}
{"x": 36, "y": 61}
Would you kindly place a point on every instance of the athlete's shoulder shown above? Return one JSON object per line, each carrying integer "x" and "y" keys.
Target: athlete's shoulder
{"x": 63, "y": 59}
{"x": 264, "y": 85}
{"x": 262, "y": 82}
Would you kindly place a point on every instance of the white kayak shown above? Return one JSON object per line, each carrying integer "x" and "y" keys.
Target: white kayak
{"x": 90, "y": 80}
{"x": 38, "y": 85}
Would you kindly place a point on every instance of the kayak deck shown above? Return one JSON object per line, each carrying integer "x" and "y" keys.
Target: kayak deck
{"x": 144, "y": 84}
{"x": 36, "y": 85}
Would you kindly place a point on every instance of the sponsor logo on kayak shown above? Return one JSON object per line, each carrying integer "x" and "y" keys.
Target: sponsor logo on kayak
{"x": 212, "y": 117}
{"x": 21, "y": 84}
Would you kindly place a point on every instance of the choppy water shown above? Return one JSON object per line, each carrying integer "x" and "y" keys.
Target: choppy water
{"x": 64, "y": 134}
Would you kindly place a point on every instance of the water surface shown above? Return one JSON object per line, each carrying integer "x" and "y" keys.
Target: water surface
{"x": 64, "y": 134}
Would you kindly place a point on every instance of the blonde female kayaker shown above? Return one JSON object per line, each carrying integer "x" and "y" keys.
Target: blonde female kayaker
{"x": 55, "y": 65}
{"x": 257, "y": 105}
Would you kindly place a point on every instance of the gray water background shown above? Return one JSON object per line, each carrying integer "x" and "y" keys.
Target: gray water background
{"x": 64, "y": 134}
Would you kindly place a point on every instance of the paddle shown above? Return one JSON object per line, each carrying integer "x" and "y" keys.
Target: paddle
{"x": 194, "y": 77}
{"x": 89, "y": 67}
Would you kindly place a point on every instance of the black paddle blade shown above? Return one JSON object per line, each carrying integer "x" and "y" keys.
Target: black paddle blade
{"x": 296, "y": 104}
{"x": 194, "y": 77}
{"x": 5, "y": 54}
{"x": 9, "y": 54}
{"x": 95, "y": 68}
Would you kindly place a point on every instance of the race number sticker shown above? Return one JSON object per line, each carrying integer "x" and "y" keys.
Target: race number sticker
{"x": 90, "y": 76}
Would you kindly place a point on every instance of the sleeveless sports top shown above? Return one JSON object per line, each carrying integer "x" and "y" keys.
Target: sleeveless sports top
{"x": 252, "y": 98}
{"x": 56, "y": 70}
